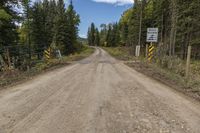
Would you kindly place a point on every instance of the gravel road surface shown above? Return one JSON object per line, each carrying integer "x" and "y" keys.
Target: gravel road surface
{"x": 96, "y": 95}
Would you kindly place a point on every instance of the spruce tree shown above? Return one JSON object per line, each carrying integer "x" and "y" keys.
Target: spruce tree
{"x": 109, "y": 36}
{"x": 89, "y": 37}
{"x": 60, "y": 28}
{"x": 93, "y": 34}
{"x": 97, "y": 38}
{"x": 73, "y": 20}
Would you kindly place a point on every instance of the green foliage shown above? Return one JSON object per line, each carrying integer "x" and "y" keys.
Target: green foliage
{"x": 52, "y": 23}
{"x": 24, "y": 37}
{"x": 177, "y": 20}
{"x": 4, "y": 15}
{"x": 73, "y": 21}
{"x": 8, "y": 29}
{"x": 15, "y": 76}
{"x": 109, "y": 35}
{"x": 97, "y": 37}
{"x": 93, "y": 36}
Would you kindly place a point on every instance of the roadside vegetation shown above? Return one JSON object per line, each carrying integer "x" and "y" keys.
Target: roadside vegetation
{"x": 36, "y": 36}
{"x": 29, "y": 28}
{"x": 169, "y": 71}
{"x": 121, "y": 53}
{"x": 14, "y": 76}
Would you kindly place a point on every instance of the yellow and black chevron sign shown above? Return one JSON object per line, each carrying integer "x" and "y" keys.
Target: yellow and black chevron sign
{"x": 47, "y": 54}
{"x": 151, "y": 51}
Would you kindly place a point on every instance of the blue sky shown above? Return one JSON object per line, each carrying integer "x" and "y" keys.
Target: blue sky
{"x": 99, "y": 11}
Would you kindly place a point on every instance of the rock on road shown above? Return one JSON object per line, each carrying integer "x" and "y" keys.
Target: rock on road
{"x": 96, "y": 95}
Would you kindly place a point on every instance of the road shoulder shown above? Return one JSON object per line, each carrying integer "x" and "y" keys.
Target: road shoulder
{"x": 168, "y": 78}
{"x": 15, "y": 77}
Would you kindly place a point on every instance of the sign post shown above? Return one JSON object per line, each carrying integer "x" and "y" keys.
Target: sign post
{"x": 47, "y": 54}
{"x": 137, "y": 51}
{"x": 152, "y": 37}
{"x": 188, "y": 62}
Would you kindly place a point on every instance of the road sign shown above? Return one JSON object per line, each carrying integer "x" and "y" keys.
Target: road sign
{"x": 152, "y": 35}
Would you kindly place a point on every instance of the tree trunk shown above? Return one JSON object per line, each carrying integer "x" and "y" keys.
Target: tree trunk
{"x": 173, "y": 28}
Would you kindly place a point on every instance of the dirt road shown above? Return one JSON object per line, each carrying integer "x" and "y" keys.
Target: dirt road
{"x": 96, "y": 95}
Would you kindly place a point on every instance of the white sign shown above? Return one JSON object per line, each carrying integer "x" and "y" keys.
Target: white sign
{"x": 58, "y": 54}
{"x": 152, "y": 35}
{"x": 137, "y": 51}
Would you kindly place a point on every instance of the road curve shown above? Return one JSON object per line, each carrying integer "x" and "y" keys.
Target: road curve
{"x": 96, "y": 95}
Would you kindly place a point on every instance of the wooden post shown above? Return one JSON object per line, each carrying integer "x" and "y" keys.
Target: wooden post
{"x": 188, "y": 62}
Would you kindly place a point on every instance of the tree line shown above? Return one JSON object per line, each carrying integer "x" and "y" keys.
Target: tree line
{"x": 177, "y": 20}
{"x": 26, "y": 34}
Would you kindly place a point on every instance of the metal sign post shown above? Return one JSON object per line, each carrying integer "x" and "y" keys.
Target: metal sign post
{"x": 47, "y": 54}
{"x": 151, "y": 50}
{"x": 152, "y": 37}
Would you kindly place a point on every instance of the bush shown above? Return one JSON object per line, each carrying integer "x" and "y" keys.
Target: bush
{"x": 173, "y": 64}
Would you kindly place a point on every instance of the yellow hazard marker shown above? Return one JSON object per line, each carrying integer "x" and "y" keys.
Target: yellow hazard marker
{"x": 47, "y": 54}
{"x": 151, "y": 51}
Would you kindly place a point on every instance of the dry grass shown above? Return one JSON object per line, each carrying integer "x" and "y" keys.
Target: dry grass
{"x": 14, "y": 76}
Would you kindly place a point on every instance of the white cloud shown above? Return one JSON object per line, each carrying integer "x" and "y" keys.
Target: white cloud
{"x": 115, "y": 2}
{"x": 83, "y": 35}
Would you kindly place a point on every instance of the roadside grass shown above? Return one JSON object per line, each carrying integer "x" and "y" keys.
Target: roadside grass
{"x": 121, "y": 53}
{"x": 15, "y": 76}
{"x": 168, "y": 70}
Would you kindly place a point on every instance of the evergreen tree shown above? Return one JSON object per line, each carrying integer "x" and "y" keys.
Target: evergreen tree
{"x": 60, "y": 28}
{"x": 97, "y": 38}
{"x": 73, "y": 21}
{"x": 103, "y": 33}
{"x": 91, "y": 35}
{"x": 8, "y": 29}
{"x": 38, "y": 29}
{"x": 109, "y": 36}
{"x": 89, "y": 38}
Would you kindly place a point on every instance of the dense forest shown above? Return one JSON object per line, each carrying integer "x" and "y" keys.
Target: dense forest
{"x": 177, "y": 20}
{"x": 27, "y": 29}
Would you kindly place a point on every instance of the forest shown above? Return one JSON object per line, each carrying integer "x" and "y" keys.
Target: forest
{"x": 177, "y": 20}
{"x": 27, "y": 29}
